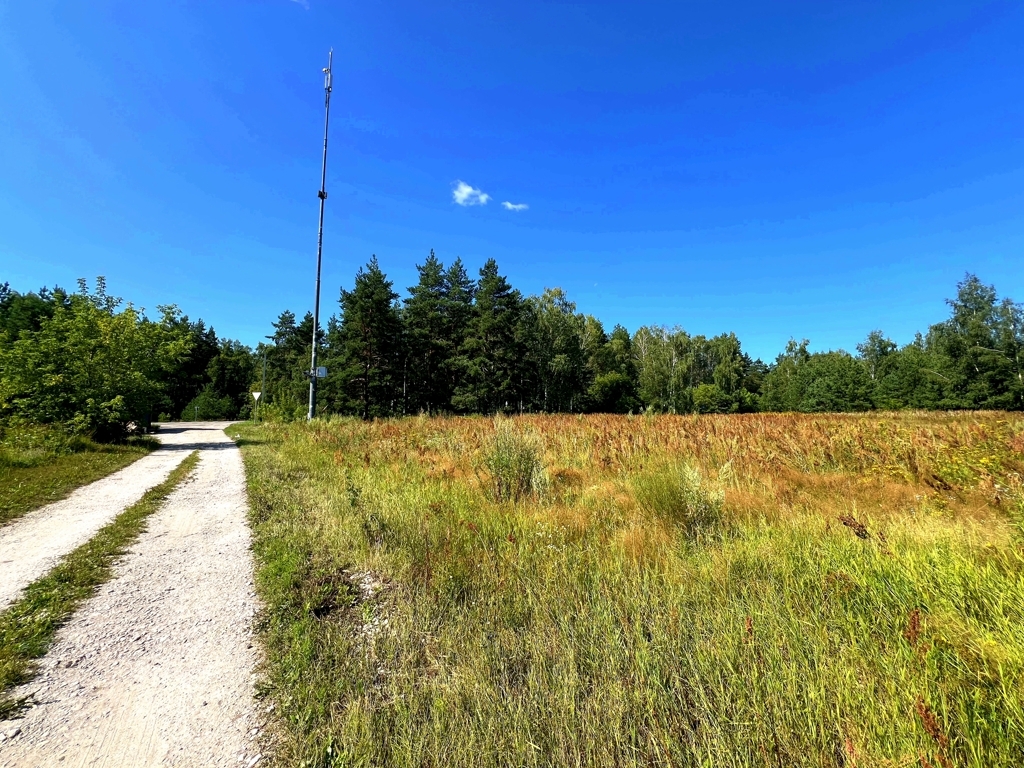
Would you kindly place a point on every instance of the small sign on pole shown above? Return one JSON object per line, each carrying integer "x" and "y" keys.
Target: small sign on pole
{"x": 256, "y": 395}
{"x": 321, "y": 372}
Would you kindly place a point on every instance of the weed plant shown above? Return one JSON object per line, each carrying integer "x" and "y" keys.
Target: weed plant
{"x": 513, "y": 462}
{"x": 748, "y": 590}
{"x": 680, "y": 497}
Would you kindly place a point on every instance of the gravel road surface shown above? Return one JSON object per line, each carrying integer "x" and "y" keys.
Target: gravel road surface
{"x": 31, "y": 545}
{"x": 157, "y": 669}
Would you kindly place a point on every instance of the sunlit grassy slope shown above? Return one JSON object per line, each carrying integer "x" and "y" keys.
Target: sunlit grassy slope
{"x": 36, "y": 470}
{"x": 771, "y": 590}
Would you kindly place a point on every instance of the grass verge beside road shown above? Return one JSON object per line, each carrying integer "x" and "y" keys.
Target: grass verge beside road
{"x": 758, "y": 590}
{"x": 28, "y": 627}
{"x": 31, "y": 481}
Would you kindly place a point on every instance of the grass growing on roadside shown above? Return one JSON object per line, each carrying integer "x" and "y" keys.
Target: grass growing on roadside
{"x": 758, "y": 590}
{"x": 28, "y": 627}
{"x": 39, "y": 468}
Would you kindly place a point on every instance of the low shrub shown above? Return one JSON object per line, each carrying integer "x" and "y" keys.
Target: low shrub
{"x": 680, "y": 496}
{"x": 513, "y": 459}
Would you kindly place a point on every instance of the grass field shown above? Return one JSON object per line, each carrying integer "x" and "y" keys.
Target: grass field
{"x": 756, "y": 590}
{"x": 38, "y": 467}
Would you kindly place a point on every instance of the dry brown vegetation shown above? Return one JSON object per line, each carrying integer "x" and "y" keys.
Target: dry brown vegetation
{"x": 761, "y": 589}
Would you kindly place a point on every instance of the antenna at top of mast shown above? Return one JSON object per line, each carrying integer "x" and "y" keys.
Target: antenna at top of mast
{"x": 327, "y": 71}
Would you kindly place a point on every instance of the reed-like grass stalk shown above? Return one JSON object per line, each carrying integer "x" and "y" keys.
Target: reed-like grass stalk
{"x": 414, "y": 617}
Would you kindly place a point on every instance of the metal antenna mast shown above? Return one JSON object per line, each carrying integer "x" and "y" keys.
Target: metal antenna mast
{"x": 322, "y": 194}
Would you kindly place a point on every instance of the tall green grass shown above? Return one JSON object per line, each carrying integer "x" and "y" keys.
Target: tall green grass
{"x": 638, "y": 620}
{"x": 513, "y": 462}
{"x": 40, "y": 465}
{"x": 680, "y": 497}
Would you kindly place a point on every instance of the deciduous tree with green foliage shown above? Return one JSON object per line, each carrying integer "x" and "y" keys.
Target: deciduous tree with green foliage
{"x": 463, "y": 346}
{"x": 556, "y": 345}
{"x": 818, "y": 382}
{"x": 610, "y": 359}
{"x": 89, "y": 367}
{"x": 982, "y": 343}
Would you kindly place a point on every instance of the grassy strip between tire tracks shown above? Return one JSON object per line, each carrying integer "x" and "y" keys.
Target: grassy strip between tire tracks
{"x": 28, "y": 627}
{"x": 25, "y": 488}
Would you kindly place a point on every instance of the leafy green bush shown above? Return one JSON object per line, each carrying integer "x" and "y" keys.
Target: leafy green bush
{"x": 709, "y": 398}
{"x": 613, "y": 393}
{"x": 89, "y": 367}
{"x": 680, "y": 496}
{"x": 513, "y": 459}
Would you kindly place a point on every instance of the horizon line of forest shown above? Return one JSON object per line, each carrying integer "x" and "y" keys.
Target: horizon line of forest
{"x": 457, "y": 345}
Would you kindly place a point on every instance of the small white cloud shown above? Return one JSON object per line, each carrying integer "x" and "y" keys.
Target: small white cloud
{"x": 515, "y": 206}
{"x": 303, "y": 3}
{"x": 463, "y": 194}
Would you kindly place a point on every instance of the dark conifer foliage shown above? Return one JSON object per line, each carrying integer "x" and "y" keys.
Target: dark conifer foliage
{"x": 460, "y": 295}
{"x": 26, "y": 311}
{"x": 189, "y": 377}
{"x": 492, "y": 353}
{"x": 427, "y": 340}
{"x": 458, "y": 345}
{"x": 369, "y": 346}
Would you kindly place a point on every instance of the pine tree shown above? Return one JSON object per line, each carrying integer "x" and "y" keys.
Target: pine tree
{"x": 370, "y": 338}
{"x": 425, "y": 324}
{"x": 492, "y": 353}
{"x": 460, "y": 291}
{"x": 189, "y": 377}
{"x": 288, "y": 361}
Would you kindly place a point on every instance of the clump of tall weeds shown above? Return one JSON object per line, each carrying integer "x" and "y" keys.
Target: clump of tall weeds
{"x": 680, "y": 496}
{"x": 513, "y": 461}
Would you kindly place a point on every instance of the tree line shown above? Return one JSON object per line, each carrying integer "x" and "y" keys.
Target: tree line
{"x": 455, "y": 344}
{"x": 460, "y": 344}
{"x": 88, "y": 362}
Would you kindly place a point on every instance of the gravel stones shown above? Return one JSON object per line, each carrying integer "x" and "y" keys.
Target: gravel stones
{"x": 157, "y": 668}
{"x": 31, "y": 545}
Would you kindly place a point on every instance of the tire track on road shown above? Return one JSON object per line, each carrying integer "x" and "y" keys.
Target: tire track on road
{"x": 157, "y": 669}
{"x": 34, "y": 543}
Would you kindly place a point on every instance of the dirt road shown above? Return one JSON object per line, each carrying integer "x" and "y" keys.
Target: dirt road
{"x": 157, "y": 668}
{"x": 33, "y": 544}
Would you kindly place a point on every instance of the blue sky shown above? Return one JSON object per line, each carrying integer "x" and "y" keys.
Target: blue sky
{"x": 774, "y": 169}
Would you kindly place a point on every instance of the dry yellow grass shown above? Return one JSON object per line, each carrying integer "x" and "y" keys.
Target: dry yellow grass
{"x": 672, "y": 590}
